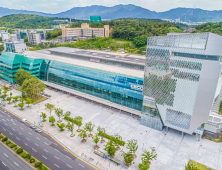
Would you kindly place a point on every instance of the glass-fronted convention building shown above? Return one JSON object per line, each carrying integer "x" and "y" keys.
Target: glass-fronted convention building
{"x": 173, "y": 86}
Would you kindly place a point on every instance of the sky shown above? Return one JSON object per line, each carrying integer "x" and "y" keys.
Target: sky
{"x": 56, "y": 6}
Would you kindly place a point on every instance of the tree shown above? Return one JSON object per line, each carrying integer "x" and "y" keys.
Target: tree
{"x": 43, "y": 115}
{"x": 21, "y": 105}
{"x": 21, "y": 75}
{"x": 78, "y": 121}
{"x": 28, "y": 101}
{"x": 49, "y": 107}
{"x": 89, "y": 127}
{"x": 66, "y": 116}
{"x": 52, "y": 120}
{"x": 59, "y": 113}
{"x": 3, "y": 96}
{"x": 33, "y": 87}
{"x": 149, "y": 156}
{"x": 70, "y": 127}
{"x": 61, "y": 126}
{"x": 101, "y": 132}
{"x": 16, "y": 98}
{"x": 83, "y": 135}
{"x": 11, "y": 94}
{"x": 144, "y": 165}
{"x": 128, "y": 157}
{"x": 14, "y": 101}
{"x": 22, "y": 100}
{"x": 96, "y": 140}
{"x": 116, "y": 141}
{"x": 9, "y": 99}
{"x": 132, "y": 146}
{"x": 110, "y": 148}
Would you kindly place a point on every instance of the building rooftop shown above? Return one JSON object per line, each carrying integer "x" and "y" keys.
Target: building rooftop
{"x": 112, "y": 56}
{"x": 84, "y": 63}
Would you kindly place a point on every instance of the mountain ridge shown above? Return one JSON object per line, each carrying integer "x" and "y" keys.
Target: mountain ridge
{"x": 127, "y": 11}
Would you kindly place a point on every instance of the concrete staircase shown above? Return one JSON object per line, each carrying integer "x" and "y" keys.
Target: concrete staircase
{"x": 216, "y": 104}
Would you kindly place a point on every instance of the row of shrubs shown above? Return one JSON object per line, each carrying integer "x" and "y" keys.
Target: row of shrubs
{"x": 23, "y": 154}
{"x": 111, "y": 138}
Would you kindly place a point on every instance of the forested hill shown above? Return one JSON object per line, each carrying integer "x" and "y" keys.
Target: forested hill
{"x": 215, "y": 28}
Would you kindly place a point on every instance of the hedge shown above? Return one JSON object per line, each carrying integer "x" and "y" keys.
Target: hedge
{"x": 1, "y": 136}
{"x": 8, "y": 142}
{"x": 42, "y": 167}
{"x": 20, "y": 150}
{"x": 112, "y": 138}
{"x": 32, "y": 160}
{"x": 37, "y": 164}
{"x": 29, "y": 155}
{"x": 13, "y": 145}
{"x": 4, "y": 139}
{"x": 24, "y": 155}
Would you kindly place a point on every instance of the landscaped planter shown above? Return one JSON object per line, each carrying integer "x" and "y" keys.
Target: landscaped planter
{"x": 134, "y": 156}
{"x": 102, "y": 141}
{"x": 83, "y": 141}
{"x": 118, "y": 148}
{"x": 96, "y": 147}
{"x": 90, "y": 135}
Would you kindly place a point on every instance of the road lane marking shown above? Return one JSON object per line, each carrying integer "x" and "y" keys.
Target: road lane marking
{"x": 26, "y": 144}
{"x": 81, "y": 165}
{"x": 46, "y": 143}
{"x": 4, "y": 163}
{"x": 36, "y": 144}
{"x": 17, "y": 138}
{"x": 13, "y": 129}
{"x": 65, "y": 150}
{"x": 21, "y": 128}
{"x": 28, "y": 138}
{"x": 10, "y": 133}
{"x": 34, "y": 150}
{"x": 5, "y": 155}
{"x": 4, "y": 120}
{"x": 14, "y": 123}
{"x": 56, "y": 150}
{"x": 4, "y": 129}
{"x": 16, "y": 163}
{"x": 68, "y": 157}
{"x": 20, "y": 134}
{"x": 68, "y": 165}
{"x": 37, "y": 138}
{"x": 44, "y": 157}
{"x": 55, "y": 144}
{"x": 57, "y": 165}
{"x": 56, "y": 157}
{"x": 46, "y": 150}
{"x": 29, "y": 133}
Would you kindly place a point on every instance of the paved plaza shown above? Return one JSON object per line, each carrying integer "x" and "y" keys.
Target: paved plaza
{"x": 173, "y": 149}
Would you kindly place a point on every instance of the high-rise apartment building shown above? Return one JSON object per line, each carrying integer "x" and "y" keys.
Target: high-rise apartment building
{"x": 181, "y": 80}
{"x": 84, "y": 31}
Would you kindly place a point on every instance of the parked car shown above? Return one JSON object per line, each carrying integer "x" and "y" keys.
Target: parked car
{"x": 24, "y": 121}
{"x": 38, "y": 130}
{"x": 32, "y": 126}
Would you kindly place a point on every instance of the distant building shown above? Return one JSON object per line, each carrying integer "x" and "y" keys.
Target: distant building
{"x": 15, "y": 46}
{"x": 3, "y": 31}
{"x": 95, "y": 19}
{"x": 57, "y": 21}
{"x": 84, "y": 31}
{"x": 59, "y": 26}
{"x": 4, "y": 35}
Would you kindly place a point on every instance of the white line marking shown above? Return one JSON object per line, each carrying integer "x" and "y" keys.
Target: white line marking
{"x": 69, "y": 165}
{"x": 46, "y": 143}
{"x": 21, "y": 128}
{"x": 4, "y": 129}
{"x": 17, "y": 138}
{"x": 81, "y": 165}
{"x": 44, "y": 157}
{"x": 20, "y": 134}
{"x": 56, "y": 150}
{"x": 13, "y": 129}
{"x": 68, "y": 157}
{"x": 46, "y": 150}
{"x": 14, "y": 123}
{"x": 16, "y": 163}
{"x": 4, "y": 163}
{"x": 45, "y": 137}
{"x": 34, "y": 150}
{"x": 10, "y": 133}
{"x": 26, "y": 144}
{"x": 5, "y": 155}
{"x": 4, "y": 120}
{"x": 65, "y": 150}
{"x": 36, "y": 144}
{"x": 29, "y": 133}
{"x": 57, "y": 165}
{"x": 28, "y": 138}
{"x": 55, "y": 144}
{"x": 56, "y": 157}
{"x": 37, "y": 138}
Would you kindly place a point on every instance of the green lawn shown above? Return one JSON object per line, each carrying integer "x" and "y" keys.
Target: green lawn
{"x": 199, "y": 165}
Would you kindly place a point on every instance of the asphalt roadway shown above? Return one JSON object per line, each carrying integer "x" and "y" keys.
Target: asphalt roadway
{"x": 9, "y": 160}
{"x": 40, "y": 145}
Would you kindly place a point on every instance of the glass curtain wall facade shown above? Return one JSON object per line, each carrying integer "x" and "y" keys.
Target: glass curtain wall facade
{"x": 172, "y": 79}
{"x": 120, "y": 89}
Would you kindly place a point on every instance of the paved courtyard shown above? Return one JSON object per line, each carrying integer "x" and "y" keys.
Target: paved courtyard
{"x": 173, "y": 149}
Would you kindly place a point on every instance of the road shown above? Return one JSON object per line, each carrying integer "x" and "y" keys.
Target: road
{"x": 41, "y": 146}
{"x": 10, "y": 161}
